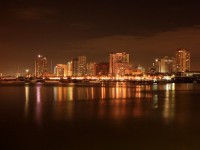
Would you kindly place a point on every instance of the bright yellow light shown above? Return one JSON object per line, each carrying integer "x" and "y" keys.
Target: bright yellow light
{"x": 27, "y": 70}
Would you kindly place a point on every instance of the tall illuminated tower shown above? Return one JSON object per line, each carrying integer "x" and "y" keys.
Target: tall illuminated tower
{"x": 118, "y": 63}
{"x": 91, "y": 68}
{"x": 75, "y": 67}
{"x": 182, "y": 60}
{"x": 82, "y": 65}
{"x": 40, "y": 66}
{"x": 70, "y": 68}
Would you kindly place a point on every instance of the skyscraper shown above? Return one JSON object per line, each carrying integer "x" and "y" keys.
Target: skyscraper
{"x": 119, "y": 62}
{"x": 182, "y": 60}
{"x": 40, "y": 66}
{"x": 70, "y": 68}
{"x": 82, "y": 65}
{"x": 91, "y": 68}
{"x": 75, "y": 67}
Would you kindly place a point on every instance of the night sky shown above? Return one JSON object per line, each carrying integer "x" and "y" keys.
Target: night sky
{"x": 61, "y": 30}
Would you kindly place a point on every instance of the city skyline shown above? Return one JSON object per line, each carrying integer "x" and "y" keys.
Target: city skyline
{"x": 118, "y": 65}
{"x": 79, "y": 64}
{"x": 62, "y": 30}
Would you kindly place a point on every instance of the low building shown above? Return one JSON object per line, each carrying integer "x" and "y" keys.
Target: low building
{"x": 102, "y": 68}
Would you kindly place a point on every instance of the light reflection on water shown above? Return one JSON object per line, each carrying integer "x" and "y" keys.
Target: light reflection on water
{"x": 26, "y": 100}
{"x": 169, "y": 104}
{"x": 90, "y": 93}
{"x": 38, "y": 108}
{"x": 119, "y": 114}
{"x": 117, "y": 102}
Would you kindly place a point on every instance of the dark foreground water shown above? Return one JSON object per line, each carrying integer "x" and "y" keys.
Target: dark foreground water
{"x": 92, "y": 117}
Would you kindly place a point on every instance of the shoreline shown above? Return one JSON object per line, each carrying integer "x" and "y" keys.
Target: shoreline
{"x": 90, "y": 83}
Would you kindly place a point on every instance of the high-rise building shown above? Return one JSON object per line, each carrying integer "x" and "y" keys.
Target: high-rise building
{"x": 40, "y": 66}
{"x": 119, "y": 63}
{"x": 75, "y": 67}
{"x": 91, "y": 68}
{"x": 70, "y": 68}
{"x": 182, "y": 60}
{"x": 60, "y": 70}
{"x": 82, "y": 65}
{"x": 165, "y": 65}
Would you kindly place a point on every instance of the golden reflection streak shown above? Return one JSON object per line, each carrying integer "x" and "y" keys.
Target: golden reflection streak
{"x": 124, "y": 91}
{"x": 38, "y": 105}
{"x": 168, "y": 111}
{"x": 147, "y": 88}
{"x": 87, "y": 94}
{"x": 155, "y": 87}
{"x": 70, "y": 93}
{"x": 60, "y": 93}
{"x": 103, "y": 92}
{"x": 113, "y": 93}
{"x": 173, "y": 86}
{"x": 26, "y": 100}
{"x": 167, "y": 87}
{"x": 92, "y": 93}
{"x": 118, "y": 92}
{"x": 138, "y": 91}
{"x": 65, "y": 93}
{"x": 55, "y": 94}
{"x": 155, "y": 101}
{"x": 38, "y": 94}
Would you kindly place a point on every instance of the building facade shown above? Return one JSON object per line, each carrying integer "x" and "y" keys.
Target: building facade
{"x": 182, "y": 60}
{"x": 75, "y": 67}
{"x": 60, "y": 70}
{"x": 70, "y": 68}
{"x": 40, "y": 66}
{"x": 91, "y": 68}
{"x": 165, "y": 65}
{"x": 82, "y": 66}
{"x": 118, "y": 63}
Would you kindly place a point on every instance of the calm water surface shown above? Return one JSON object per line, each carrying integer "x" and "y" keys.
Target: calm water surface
{"x": 117, "y": 116}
